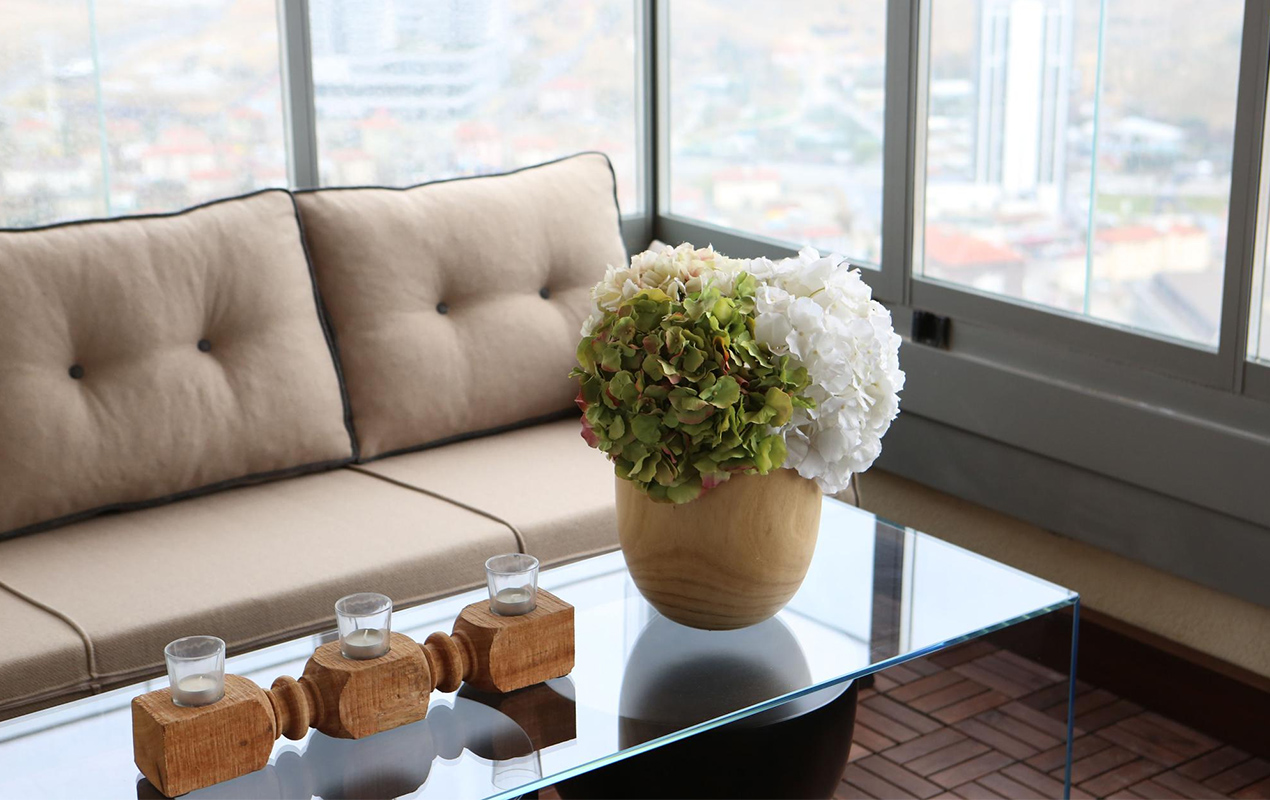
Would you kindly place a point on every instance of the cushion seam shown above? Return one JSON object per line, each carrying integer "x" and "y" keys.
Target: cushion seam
{"x": 185, "y": 494}
{"x": 554, "y": 416}
{"x": 49, "y": 694}
{"x": 90, "y": 653}
{"x": 328, "y": 329}
{"x": 520, "y": 537}
{"x": 240, "y": 647}
{"x": 516, "y": 171}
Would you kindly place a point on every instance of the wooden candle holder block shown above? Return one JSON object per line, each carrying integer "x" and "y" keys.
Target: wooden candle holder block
{"x": 182, "y": 749}
{"x": 501, "y": 654}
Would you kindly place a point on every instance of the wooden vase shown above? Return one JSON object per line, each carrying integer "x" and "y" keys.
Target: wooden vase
{"x": 731, "y": 558}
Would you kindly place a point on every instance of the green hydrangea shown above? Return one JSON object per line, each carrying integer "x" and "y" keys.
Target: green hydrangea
{"x": 680, "y": 395}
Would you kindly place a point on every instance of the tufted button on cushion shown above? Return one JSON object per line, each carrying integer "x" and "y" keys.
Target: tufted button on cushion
{"x": 489, "y": 244}
{"x": 443, "y": 308}
{"x": 129, "y": 296}
{"x": 204, "y": 345}
{"x": 544, "y": 293}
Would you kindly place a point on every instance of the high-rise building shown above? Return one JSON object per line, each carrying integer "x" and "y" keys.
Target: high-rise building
{"x": 1024, "y": 82}
{"x": 406, "y": 60}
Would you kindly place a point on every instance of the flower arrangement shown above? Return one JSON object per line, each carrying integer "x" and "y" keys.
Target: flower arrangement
{"x": 694, "y": 366}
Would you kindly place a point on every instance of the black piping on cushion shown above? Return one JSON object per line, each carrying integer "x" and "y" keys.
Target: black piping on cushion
{"x": 328, "y": 330}
{"x": 556, "y": 415}
{"x": 258, "y": 477}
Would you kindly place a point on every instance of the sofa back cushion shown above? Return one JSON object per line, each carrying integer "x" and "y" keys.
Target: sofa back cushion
{"x": 457, "y": 305}
{"x": 146, "y": 358}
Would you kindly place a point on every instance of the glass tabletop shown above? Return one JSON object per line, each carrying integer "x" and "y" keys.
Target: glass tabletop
{"x": 876, "y": 595}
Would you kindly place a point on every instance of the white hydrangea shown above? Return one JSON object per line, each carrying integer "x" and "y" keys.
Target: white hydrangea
{"x": 822, "y": 314}
{"x": 817, "y": 310}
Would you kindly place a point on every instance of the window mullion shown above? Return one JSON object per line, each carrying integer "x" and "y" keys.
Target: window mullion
{"x": 660, "y": 202}
{"x": 1245, "y": 187}
{"x": 297, "y": 93}
{"x": 902, "y": 118}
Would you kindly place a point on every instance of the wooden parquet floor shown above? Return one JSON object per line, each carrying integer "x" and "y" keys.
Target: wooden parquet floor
{"x": 977, "y": 722}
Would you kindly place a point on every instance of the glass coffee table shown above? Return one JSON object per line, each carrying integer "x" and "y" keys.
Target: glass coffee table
{"x": 880, "y": 606}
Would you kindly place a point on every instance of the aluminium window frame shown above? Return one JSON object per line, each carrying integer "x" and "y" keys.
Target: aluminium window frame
{"x": 899, "y": 282}
{"x": 1220, "y": 368}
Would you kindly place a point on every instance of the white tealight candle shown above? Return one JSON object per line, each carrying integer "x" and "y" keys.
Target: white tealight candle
{"x": 197, "y": 690}
{"x": 365, "y": 643}
{"x": 513, "y": 601}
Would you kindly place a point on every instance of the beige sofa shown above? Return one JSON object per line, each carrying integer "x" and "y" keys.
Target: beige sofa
{"x": 221, "y": 420}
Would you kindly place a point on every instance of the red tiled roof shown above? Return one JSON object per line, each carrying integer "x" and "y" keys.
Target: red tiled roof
{"x": 1130, "y": 233}
{"x": 956, "y": 249}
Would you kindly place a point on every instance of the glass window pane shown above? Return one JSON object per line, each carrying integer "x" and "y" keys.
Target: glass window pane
{"x": 1259, "y": 316}
{"x": 1036, "y": 106}
{"x": 1259, "y": 331}
{"x": 410, "y": 92}
{"x": 121, "y": 106}
{"x": 776, "y": 116}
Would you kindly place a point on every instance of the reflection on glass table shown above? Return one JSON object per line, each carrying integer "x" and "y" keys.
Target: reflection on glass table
{"x": 875, "y": 596}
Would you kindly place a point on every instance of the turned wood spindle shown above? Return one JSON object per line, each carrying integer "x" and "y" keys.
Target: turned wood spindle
{"x": 182, "y": 749}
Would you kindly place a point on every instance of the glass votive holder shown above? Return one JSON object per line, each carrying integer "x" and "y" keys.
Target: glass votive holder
{"x": 196, "y": 670}
{"x": 365, "y": 621}
{"x": 513, "y": 584}
{"x": 514, "y": 773}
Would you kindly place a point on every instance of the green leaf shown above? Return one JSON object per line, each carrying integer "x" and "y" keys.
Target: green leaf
{"x": 647, "y": 428}
{"x": 622, "y": 387}
{"x": 617, "y": 428}
{"x": 724, "y": 393}
{"x": 782, "y": 403}
{"x": 685, "y": 492}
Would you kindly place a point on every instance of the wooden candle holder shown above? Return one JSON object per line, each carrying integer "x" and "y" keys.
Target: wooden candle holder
{"x": 182, "y": 749}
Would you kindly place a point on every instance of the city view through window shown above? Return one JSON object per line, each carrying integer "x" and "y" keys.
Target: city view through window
{"x": 122, "y": 106}
{"x": 408, "y": 92}
{"x": 1078, "y": 155}
{"x": 776, "y": 116}
{"x": 112, "y": 107}
{"x": 1075, "y": 154}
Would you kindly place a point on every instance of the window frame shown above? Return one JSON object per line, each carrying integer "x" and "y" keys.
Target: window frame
{"x": 1107, "y": 340}
{"x": 898, "y": 281}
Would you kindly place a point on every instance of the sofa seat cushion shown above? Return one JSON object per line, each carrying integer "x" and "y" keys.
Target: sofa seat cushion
{"x": 42, "y": 655}
{"x": 543, "y": 480}
{"x": 145, "y": 358}
{"x": 457, "y": 305}
{"x": 252, "y": 565}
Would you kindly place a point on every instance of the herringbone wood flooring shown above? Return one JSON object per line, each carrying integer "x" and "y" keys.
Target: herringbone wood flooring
{"x": 979, "y": 722}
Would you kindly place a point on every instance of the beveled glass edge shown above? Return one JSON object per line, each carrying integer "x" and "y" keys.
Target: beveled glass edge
{"x": 776, "y": 702}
